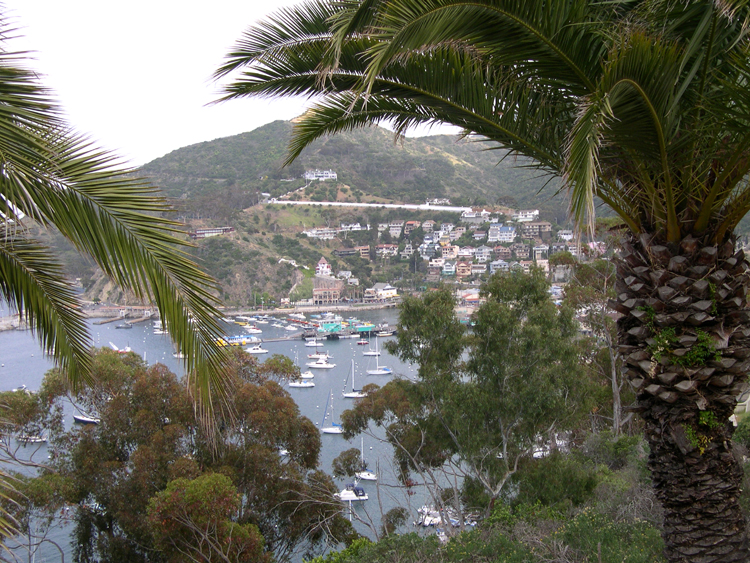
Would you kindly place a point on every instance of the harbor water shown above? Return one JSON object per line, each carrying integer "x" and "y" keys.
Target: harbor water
{"x": 23, "y": 363}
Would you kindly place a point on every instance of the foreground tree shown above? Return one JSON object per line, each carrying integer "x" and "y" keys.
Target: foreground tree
{"x": 643, "y": 105}
{"x": 477, "y": 418}
{"x": 54, "y": 178}
{"x": 143, "y": 484}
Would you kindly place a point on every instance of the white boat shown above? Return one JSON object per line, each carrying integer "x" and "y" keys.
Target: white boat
{"x": 278, "y": 325}
{"x": 334, "y": 428}
{"x": 178, "y": 355}
{"x": 306, "y": 375}
{"x": 298, "y": 316}
{"x": 318, "y": 355}
{"x": 379, "y": 370}
{"x": 31, "y": 438}
{"x": 313, "y": 343}
{"x": 370, "y": 351}
{"x": 85, "y": 419}
{"x": 365, "y": 474}
{"x": 120, "y": 350}
{"x": 384, "y": 333}
{"x": 320, "y": 363}
{"x": 261, "y": 322}
{"x": 244, "y": 319}
{"x": 290, "y": 327}
{"x": 353, "y": 394}
{"x": 252, "y": 329}
{"x": 257, "y": 349}
{"x": 301, "y": 383}
{"x": 351, "y": 493}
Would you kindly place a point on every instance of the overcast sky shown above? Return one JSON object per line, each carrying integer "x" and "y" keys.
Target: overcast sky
{"x": 136, "y": 75}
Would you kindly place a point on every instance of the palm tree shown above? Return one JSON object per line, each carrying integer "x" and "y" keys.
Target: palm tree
{"x": 53, "y": 178}
{"x": 643, "y": 106}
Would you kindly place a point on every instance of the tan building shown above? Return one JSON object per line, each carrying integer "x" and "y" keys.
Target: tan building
{"x": 533, "y": 229}
{"x": 327, "y": 290}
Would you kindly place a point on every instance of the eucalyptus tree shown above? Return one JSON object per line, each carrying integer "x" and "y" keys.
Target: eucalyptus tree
{"x": 643, "y": 105}
{"x": 52, "y": 177}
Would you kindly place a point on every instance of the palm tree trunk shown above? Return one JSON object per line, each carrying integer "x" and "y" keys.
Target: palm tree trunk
{"x": 685, "y": 338}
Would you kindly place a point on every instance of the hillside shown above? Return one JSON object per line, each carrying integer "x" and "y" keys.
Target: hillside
{"x": 217, "y": 183}
{"x": 216, "y": 176}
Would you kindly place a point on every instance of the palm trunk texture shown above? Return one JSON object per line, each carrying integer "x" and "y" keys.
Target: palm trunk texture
{"x": 685, "y": 337}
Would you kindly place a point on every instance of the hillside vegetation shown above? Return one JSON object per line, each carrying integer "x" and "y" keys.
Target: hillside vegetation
{"x": 213, "y": 176}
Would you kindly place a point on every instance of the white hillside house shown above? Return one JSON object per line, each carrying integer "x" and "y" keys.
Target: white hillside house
{"x": 320, "y": 175}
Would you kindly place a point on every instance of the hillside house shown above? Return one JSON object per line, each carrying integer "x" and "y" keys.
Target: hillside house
{"x": 483, "y": 254}
{"x": 320, "y": 175}
{"x": 410, "y": 226}
{"x": 450, "y": 252}
{"x": 478, "y": 269}
{"x": 428, "y": 226}
{"x": 565, "y": 235}
{"x": 463, "y": 270}
{"x": 449, "y": 269}
{"x": 407, "y": 251}
{"x": 323, "y": 268}
{"x": 520, "y": 251}
{"x": 480, "y": 235}
{"x": 212, "y": 232}
{"x": 364, "y": 251}
{"x": 502, "y": 252}
{"x": 386, "y": 250}
{"x": 499, "y": 266}
{"x": 541, "y": 229}
{"x": 524, "y": 215}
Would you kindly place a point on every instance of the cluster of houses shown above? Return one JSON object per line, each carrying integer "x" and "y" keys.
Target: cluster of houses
{"x": 500, "y": 247}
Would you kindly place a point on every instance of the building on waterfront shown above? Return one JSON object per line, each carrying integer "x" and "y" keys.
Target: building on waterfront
{"x": 327, "y": 290}
{"x": 380, "y": 292}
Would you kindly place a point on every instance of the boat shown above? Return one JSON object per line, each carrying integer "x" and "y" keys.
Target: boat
{"x": 290, "y": 327}
{"x": 379, "y": 370}
{"x": 31, "y": 438}
{"x": 320, "y": 363}
{"x": 334, "y": 428}
{"x": 372, "y": 352}
{"x": 21, "y": 388}
{"x": 384, "y": 333}
{"x": 306, "y": 375}
{"x": 313, "y": 343}
{"x": 351, "y": 493}
{"x": 238, "y": 340}
{"x": 298, "y": 316}
{"x": 257, "y": 349}
{"x": 85, "y": 419}
{"x": 244, "y": 319}
{"x": 278, "y": 325}
{"x": 252, "y": 329}
{"x": 179, "y": 355}
{"x": 318, "y": 355}
{"x": 120, "y": 350}
{"x": 363, "y": 342}
{"x": 353, "y": 394}
{"x": 159, "y": 328}
{"x": 261, "y": 322}
{"x": 126, "y": 324}
{"x": 301, "y": 383}
{"x": 365, "y": 474}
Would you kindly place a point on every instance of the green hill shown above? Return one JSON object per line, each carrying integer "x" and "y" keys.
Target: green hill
{"x": 215, "y": 176}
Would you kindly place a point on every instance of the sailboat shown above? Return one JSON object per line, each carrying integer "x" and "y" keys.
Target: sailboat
{"x": 353, "y": 394}
{"x": 305, "y": 378}
{"x": 365, "y": 474}
{"x": 372, "y": 352}
{"x": 333, "y": 428}
{"x": 379, "y": 370}
{"x": 313, "y": 343}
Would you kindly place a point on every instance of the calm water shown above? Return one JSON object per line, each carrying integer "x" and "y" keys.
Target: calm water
{"x": 24, "y": 364}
